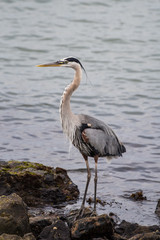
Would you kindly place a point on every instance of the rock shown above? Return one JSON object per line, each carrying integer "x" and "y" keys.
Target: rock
{"x": 146, "y": 236}
{"x": 118, "y": 237}
{"x": 13, "y": 215}
{"x": 138, "y": 196}
{"x": 28, "y": 236}
{"x": 38, "y": 223}
{"x": 59, "y": 230}
{"x": 5, "y": 236}
{"x": 70, "y": 218}
{"x": 36, "y": 184}
{"x": 98, "y": 200}
{"x": 91, "y": 227}
{"x": 157, "y": 211}
{"x": 128, "y": 230}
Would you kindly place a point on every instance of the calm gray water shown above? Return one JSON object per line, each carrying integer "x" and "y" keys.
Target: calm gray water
{"x": 118, "y": 43}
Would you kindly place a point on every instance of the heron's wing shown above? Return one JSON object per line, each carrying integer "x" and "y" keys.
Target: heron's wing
{"x": 105, "y": 144}
{"x": 100, "y": 137}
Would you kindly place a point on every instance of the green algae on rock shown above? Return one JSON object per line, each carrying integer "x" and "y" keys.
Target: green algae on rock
{"x": 38, "y": 185}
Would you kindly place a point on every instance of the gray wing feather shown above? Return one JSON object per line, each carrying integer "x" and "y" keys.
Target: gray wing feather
{"x": 105, "y": 144}
{"x": 101, "y": 137}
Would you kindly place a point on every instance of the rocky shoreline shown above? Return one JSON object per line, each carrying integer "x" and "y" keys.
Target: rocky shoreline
{"x": 26, "y": 188}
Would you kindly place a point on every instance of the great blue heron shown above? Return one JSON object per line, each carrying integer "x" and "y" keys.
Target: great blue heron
{"x": 91, "y": 136}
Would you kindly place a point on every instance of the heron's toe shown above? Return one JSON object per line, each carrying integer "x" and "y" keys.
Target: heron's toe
{"x": 79, "y": 215}
{"x": 94, "y": 213}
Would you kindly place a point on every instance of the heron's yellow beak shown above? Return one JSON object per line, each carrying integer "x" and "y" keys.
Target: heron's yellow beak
{"x": 54, "y": 64}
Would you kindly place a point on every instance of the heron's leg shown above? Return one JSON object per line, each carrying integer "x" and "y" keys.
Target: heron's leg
{"x": 95, "y": 183}
{"x": 87, "y": 184}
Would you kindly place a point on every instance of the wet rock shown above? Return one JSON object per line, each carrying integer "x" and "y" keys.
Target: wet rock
{"x": 59, "y": 230}
{"x": 37, "y": 184}
{"x": 70, "y": 218}
{"x": 13, "y": 215}
{"x": 128, "y": 230}
{"x": 38, "y": 223}
{"x": 146, "y": 236}
{"x": 28, "y": 236}
{"x": 138, "y": 196}
{"x": 92, "y": 227}
{"x": 118, "y": 237}
{"x": 91, "y": 201}
{"x": 157, "y": 211}
{"x": 5, "y": 236}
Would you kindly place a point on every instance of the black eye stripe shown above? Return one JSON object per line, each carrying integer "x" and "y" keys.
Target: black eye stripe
{"x": 72, "y": 59}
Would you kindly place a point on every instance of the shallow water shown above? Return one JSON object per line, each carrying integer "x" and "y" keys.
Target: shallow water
{"x": 118, "y": 43}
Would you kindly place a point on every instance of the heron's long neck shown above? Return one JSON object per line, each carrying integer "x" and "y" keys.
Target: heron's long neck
{"x": 68, "y": 119}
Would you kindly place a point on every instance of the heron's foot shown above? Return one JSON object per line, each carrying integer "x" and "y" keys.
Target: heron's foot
{"x": 83, "y": 213}
{"x": 80, "y": 214}
{"x": 94, "y": 213}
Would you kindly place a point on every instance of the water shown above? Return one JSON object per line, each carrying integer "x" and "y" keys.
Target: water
{"x": 118, "y": 43}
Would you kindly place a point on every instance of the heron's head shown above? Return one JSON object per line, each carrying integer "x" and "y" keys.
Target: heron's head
{"x": 65, "y": 62}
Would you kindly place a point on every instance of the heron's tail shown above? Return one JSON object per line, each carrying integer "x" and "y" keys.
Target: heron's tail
{"x": 123, "y": 149}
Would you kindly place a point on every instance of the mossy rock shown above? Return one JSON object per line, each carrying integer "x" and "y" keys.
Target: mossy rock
{"x": 13, "y": 215}
{"x": 36, "y": 183}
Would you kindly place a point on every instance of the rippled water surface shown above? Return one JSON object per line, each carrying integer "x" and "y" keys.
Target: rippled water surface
{"x": 118, "y": 43}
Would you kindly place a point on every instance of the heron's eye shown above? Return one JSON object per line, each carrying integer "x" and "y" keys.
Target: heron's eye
{"x": 63, "y": 62}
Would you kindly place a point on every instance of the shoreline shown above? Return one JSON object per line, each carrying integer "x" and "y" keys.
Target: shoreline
{"x": 27, "y": 188}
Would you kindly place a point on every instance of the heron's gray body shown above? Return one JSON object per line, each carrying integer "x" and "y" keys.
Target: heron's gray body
{"x": 93, "y": 137}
